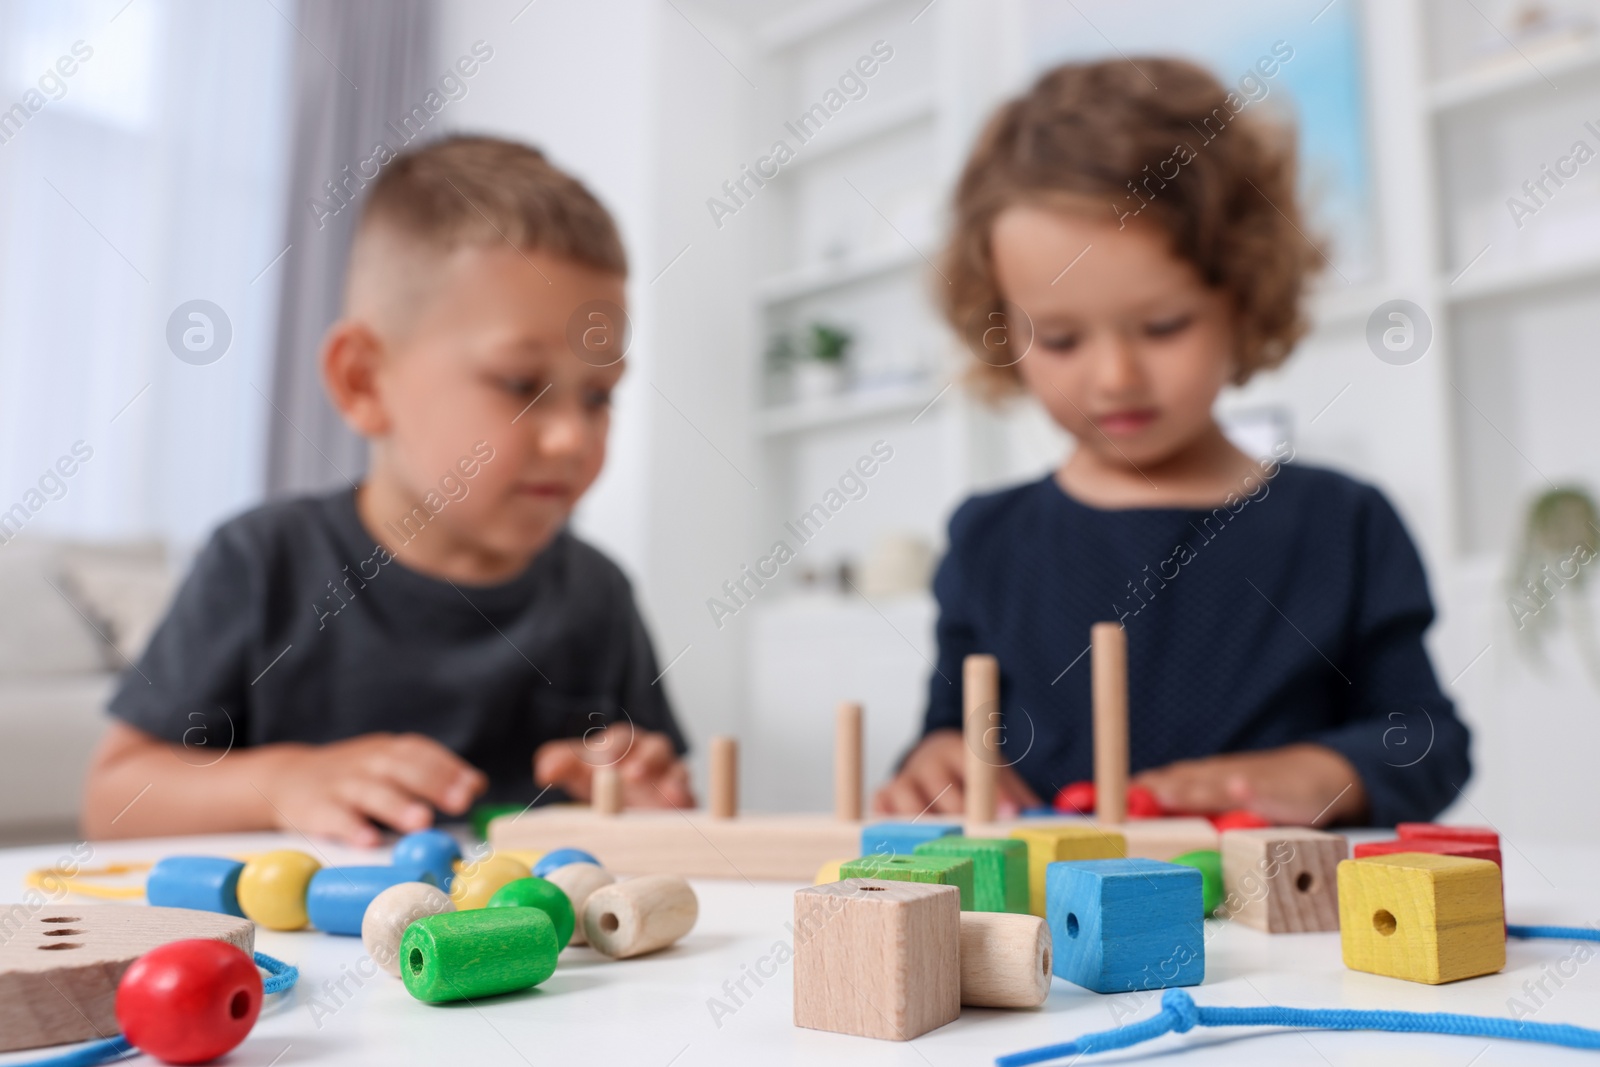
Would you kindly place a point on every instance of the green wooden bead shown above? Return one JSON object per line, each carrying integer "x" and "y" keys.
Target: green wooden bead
{"x": 999, "y": 869}
{"x": 940, "y": 870}
{"x": 1208, "y": 862}
{"x": 546, "y": 896}
{"x": 461, "y": 955}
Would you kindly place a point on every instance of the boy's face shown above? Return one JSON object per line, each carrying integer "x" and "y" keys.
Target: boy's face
{"x": 487, "y": 358}
{"x": 1130, "y": 348}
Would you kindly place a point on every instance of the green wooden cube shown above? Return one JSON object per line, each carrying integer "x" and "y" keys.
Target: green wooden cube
{"x": 999, "y": 869}
{"x": 939, "y": 870}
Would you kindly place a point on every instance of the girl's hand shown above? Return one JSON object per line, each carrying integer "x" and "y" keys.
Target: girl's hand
{"x": 652, "y": 774}
{"x": 1297, "y": 785}
{"x": 931, "y": 780}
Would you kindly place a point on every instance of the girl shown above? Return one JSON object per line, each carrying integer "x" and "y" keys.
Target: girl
{"x": 1142, "y": 248}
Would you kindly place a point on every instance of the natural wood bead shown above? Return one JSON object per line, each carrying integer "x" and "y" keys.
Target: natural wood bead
{"x": 1005, "y": 960}
{"x": 480, "y": 879}
{"x": 465, "y": 955}
{"x": 272, "y": 888}
{"x": 390, "y": 912}
{"x": 639, "y": 915}
{"x": 578, "y": 881}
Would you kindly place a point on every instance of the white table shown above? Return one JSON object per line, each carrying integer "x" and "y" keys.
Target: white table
{"x": 653, "y": 1012}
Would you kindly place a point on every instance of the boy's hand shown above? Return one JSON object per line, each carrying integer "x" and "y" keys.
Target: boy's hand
{"x": 339, "y": 790}
{"x": 932, "y": 777}
{"x": 1297, "y": 785}
{"x": 652, "y": 774}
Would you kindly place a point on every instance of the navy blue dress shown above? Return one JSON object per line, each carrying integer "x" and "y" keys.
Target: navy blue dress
{"x": 1295, "y": 614}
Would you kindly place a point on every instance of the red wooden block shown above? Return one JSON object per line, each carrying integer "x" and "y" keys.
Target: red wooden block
{"x": 1238, "y": 820}
{"x": 1076, "y": 798}
{"x": 1468, "y": 849}
{"x": 1142, "y": 804}
{"x": 1482, "y": 835}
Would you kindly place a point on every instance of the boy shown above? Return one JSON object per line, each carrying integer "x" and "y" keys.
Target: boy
{"x": 334, "y": 664}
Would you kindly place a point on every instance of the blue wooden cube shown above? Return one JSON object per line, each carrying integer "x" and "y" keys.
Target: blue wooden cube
{"x": 1120, "y": 925}
{"x": 901, "y": 838}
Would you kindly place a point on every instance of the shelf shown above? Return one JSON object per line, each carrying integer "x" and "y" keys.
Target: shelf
{"x": 849, "y": 133}
{"x": 805, "y": 22}
{"x": 1514, "y": 74}
{"x": 1516, "y": 281}
{"x": 809, "y": 281}
{"x": 846, "y": 407}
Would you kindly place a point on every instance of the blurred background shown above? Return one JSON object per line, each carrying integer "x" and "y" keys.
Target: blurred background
{"x": 176, "y": 188}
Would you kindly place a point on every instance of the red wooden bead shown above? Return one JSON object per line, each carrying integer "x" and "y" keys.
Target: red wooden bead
{"x": 1142, "y": 804}
{"x": 1076, "y": 798}
{"x": 1237, "y": 820}
{"x": 189, "y": 1001}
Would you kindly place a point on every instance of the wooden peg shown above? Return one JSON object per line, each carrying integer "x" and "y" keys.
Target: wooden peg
{"x": 980, "y": 691}
{"x": 1005, "y": 960}
{"x": 605, "y": 790}
{"x": 847, "y": 762}
{"x": 1109, "y": 679}
{"x": 639, "y": 915}
{"x": 724, "y": 778}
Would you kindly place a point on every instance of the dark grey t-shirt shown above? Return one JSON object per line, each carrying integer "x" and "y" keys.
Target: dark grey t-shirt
{"x": 294, "y": 626}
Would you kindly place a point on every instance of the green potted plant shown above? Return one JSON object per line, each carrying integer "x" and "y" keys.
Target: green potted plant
{"x": 821, "y": 370}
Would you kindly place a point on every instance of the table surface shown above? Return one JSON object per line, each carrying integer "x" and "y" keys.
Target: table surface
{"x": 656, "y": 1011}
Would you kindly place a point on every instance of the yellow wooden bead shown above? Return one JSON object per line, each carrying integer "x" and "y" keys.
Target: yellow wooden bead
{"x": 1053, "y": 844}
{"x": 272, "y": 888}
{"x": 525, "y": 856}
{"x": 478, "y": 880}
{"x": 828, "y": 872}
{"x": 1421, "y": 917}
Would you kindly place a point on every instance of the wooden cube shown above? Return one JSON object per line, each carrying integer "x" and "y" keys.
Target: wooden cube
{"x": 1055, "y": 844}
{"x": 901, "y": 838}
{"x": 1283, "y": 880}
{"x": 877, "y": 958}
{"x": 1474, "y": 850}
{"x": 1422, "y": 917}
{"x": 999, "y": 869}
{"x": 1432, "y": 831}
{"x": 1166, "y": 837}
{"x": 935, "y": 870}
{"x": 1129, "y": 924}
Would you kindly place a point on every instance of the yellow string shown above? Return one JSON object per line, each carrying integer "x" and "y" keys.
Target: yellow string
{"x": 36, "y": 880}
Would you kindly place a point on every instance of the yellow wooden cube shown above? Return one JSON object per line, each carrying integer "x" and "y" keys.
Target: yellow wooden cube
{"x": 1421, "y": 917}
{"x": 1054, "y": 844}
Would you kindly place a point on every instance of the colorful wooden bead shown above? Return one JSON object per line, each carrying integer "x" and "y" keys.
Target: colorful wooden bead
{"x": 639, "y": 915}
{"x": 1005, "y": 960}
{"x": 999, "y": 869}
{"x": 560, "y": 857}
{"x": 465, "y": 955}
{"x": 390, "y": 912}
{"x": 189, "y": 1001}
{"x": 578, "y": 881}
{"x": 1421, "y": 917}
{"x": 272, "y": 888}
{"x": 1054, "y": 844}
{"x": 546, "y": 896}
{"x": 1076, "y": 798}
{"x": 901, "y": 838}
{"x": 1126, "y": 925}
{"x": 477, "y": 881}
{"x": 427, "y": 856}
{"x": 338, "y": 897}
{"x": 1283, "y": 880}
{"x": 935, "y": 870}
{"x": 1208, "y": 861}
{"x": 202, "y": 883}
{"x": 877, "y": 958}
{"x": 1142, "y": 803}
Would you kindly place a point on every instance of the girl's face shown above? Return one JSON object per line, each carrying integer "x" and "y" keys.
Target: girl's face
{"x": 1129, "y": 347}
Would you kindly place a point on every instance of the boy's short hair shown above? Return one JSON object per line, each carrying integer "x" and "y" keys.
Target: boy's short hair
{"x": 485, "y": 190}
{"x": 1086, "y": 134}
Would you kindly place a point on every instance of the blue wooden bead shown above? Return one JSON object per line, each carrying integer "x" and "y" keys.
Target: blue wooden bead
{"x": 202, "y": 883}
{"x": 337, "y": 897}
{"x": 428, "y": 852}
{"x": 901, "y": 838}
{"x": 560, "y": 858}
{"x": 1121, "y": 925}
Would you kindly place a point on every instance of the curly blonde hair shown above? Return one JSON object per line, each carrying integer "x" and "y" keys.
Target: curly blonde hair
{"x": 1101, "y": 132}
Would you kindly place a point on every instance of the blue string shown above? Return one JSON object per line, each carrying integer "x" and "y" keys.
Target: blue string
{"x": 1179, "y": 1014}
{"x": 1562, "y": 933}
{"x": 280, "y": 978}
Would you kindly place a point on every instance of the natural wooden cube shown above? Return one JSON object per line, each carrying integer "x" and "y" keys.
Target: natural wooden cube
{"x": 877, "y": 958}
{"x": 1167, "y": 837}
{"x": 1283, "y": 880}
{"x": 1055, "y": 844}
{"x": 1422, "y": 917}
{"x": 1126, "y": 925}
{"x": 937, "y": 870}
{"x": 999, "y": 869}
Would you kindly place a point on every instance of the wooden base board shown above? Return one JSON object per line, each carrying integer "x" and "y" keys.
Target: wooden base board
{"x": 60, "y": 964}
{"x": 1150, "y": 839}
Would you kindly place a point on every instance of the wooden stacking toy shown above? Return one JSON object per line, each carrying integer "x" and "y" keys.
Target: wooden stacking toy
{"x": 1422, "y": 916}
{"x": 390, "y": 912}
{"x": 1005, "y": 960}
{"x": 1283, "y": 880}
{"x": 1126, "y": 925}
{"x": 639, "y": 915}
{"x": 877, "y": 958}
{"x": 467, "y": 955}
